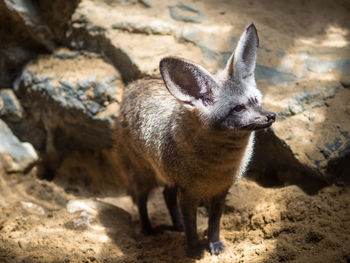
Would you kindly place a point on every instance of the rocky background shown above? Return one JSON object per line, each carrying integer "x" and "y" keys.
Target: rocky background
{"x": 63, "y": 68}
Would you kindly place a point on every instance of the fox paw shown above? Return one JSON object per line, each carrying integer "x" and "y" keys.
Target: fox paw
{"x": 216, "y": 248}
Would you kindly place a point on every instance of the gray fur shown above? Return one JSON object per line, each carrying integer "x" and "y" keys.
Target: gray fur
{"x": 189, "y": 136}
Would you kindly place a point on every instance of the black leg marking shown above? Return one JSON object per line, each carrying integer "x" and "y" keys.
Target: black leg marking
{"x": 141, "y": 202}
{"x": 188, "y": 205}
{"x": 170, "y": 197}
{"x": 216, "y": 206}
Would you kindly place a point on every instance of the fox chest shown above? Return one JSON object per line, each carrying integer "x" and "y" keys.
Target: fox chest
{"x": 203, "y": 177}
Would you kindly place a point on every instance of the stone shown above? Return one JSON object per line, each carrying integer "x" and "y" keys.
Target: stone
{"x": 274, "y": 75}
{"x": 88, "y": 206}
{"x": 215, "y": 48}
{"x": 315, "y": 98}
{"x": 90, "y": 211}
{"x": 65, "y": 99}
{"x": 341, "y": 65}
{"x": 313, "y": 131}
{"x": 13, "y": 55}
{"x": 339, "y": 165}
{"x": 66, "y": 55}
{"x": 145, "y": 3}
{"x": 281, "y": 167}
{"x": 75, "y": 97}
{"x": 23, "y": 244}
{"x": 345, "y": 81}
{"x": 35, "y": 28}
{"x": 186, "y": 13}
{"x": 28, "y": 13}
{"x": 23, "y": 154}
{"x": 10, "y": 107}
{"x": 156, "y": 27}
{"x": 128, "y": 41}
{"x": 56, "y": 15}
{"x": 33, "y": 208}
{"x": 135, "y": 44}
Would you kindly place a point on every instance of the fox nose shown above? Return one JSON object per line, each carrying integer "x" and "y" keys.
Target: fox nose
{"x": 271, "y": 116}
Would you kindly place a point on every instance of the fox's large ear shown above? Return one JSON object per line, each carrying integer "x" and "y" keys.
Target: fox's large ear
{"x": 188, "y": 82}
{"x": 242, "y": 62}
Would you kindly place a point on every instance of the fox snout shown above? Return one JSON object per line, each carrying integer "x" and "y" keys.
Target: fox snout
{"x": 265, "y": 120}
{"x": 257, "y": 119}
{"x": 271, "y": 117}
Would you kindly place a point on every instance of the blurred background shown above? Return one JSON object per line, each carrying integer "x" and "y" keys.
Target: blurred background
{"x": 63, "y": 68}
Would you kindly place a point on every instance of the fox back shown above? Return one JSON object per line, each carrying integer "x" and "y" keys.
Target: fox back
{"x": 191, "y": 131}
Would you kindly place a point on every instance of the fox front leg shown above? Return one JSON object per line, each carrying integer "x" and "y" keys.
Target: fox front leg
{"x": 216, "y": 206}
{"x": 188, "y": 205}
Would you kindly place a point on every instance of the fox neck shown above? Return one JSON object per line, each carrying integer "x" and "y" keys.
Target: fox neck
{"x": 213, "y": 146}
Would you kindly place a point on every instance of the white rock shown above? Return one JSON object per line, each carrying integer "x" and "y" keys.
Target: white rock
{"x": 87, "y": 205}
{"x": 33, "y": 208}
{"x": 23, "y": 154}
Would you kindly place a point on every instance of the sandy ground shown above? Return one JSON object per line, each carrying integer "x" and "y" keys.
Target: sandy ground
{"x": 41, "y": 222}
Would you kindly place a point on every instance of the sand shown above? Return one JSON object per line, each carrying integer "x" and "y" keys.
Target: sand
{"x": 38, "y": 223}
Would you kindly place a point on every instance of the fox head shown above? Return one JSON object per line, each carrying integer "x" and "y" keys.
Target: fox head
{"x": 228, "y": 100}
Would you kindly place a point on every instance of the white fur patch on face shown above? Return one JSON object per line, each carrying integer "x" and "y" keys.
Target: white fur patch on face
{"x": 251, "y": 91}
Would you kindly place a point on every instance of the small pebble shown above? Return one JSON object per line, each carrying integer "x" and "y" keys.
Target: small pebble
{"x": 23, "y": 245}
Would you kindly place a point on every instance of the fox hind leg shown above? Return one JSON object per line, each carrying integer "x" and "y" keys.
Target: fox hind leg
{"x": 141, "y": 202}
{"x": 170, "y": 197}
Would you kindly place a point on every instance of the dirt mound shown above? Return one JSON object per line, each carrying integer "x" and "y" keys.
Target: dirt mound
{"x": 40, "y": 222}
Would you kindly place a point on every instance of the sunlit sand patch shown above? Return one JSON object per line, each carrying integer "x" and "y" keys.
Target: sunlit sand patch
{"x": 335, "y": 36}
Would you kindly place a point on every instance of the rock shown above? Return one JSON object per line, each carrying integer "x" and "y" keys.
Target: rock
{"x": 345, "y": 81}
{"x": 91, "y": 211}
{"x": 342, "y": 66}
{"x": 135, "y": 44}
{"x": 310, "y": 123}
{"x": 56, "y": 15}
{"x": 36, "y": 28}
{"x": 122, "y": 38}
{"x": 89, "y": 206}
{"x": 129, "y": 41}
{"x": 313, "y": 135}
{"x": 70, "y": 103}
{"x": 186, "y": 13}
{"x": 23, "y": 244}
{"x": 339, "y": 165}
{"x": 10, "y": 108}
{"x": 215, "y": 48}
{"x": 28, "y": 13}
{"x": 33, "y": 208}
{"x": 281, "y": 166}
{"x": 155, "y": 27}
{"x": 65, "y": 95}
{"x": 145, "y": 3}
{"x": 274, "y": 75}
{"x": 313, "y": 99}
{"x": 12, "y": 56}
{"x": 23, "y": 154}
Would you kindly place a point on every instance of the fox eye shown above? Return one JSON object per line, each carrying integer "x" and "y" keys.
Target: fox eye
{"x": 238, "y": 108}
